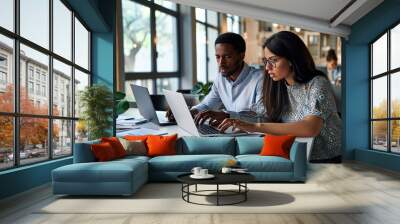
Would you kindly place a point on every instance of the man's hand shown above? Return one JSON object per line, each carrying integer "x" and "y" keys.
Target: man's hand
{"x": 215, "y": 117}
{"x": 227, "y": 123}
{"x": 194, "y": 112}
{"x": 171, "y": 117}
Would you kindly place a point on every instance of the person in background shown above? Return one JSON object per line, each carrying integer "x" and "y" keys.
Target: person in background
{"x": 298, "y": 99}
{"x": 333, "y": 70}
{"x": 237, "y": 88}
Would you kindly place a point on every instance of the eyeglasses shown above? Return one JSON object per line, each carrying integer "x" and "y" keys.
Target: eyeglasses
{"x": 270, "y": 62}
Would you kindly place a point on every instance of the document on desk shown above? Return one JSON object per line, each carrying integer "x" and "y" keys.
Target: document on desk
{"x": 141, "y": 131}
{"x": 131, "y": 122}
{"x": 125, "y": 117}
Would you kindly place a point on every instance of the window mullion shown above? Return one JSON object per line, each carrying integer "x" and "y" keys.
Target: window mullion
{"x": 153, "y": 36}
{"x": 206, "y": 48}
{"x": 73, "y": 81}
{"x": 154, "y": 83}
{"x": 50, "y": 81}
{"x": 16, "y": 84}
{"x": 389, "y": 106}
{"x": 179, "y": 45}
{"x": 371, "y": 93}
{"x": 219, "y": 22}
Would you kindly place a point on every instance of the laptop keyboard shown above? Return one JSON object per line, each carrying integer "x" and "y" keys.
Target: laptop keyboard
{"x": 207, "y": 129}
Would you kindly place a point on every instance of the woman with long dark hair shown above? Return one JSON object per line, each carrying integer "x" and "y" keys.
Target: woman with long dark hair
{"x": 298, "y": 98}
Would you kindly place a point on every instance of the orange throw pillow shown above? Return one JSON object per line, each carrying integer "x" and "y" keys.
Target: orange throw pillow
{"x": 103, "y": 152}
{"x": 116, "y": 145}
{"x": 275, "y": 145}
{"x": 161, "y": 145}
{"x": 136, "y": 137}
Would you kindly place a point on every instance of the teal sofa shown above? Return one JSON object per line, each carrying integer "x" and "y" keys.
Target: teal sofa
{"x": 125, "y": 176}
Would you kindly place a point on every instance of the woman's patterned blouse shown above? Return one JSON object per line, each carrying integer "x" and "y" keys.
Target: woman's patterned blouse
{"x": 316, "y": 98}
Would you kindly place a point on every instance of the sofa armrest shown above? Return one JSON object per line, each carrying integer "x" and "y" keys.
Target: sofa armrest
{"x": 309, "y": 141}
{"x": 298, "y": 155}
{"x": 83, "y": 152}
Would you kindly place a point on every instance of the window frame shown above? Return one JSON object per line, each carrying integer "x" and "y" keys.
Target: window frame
{"x": 388, "y": 74}
{"x": 207, "y": 25}
{"x": 154, "y": 74}
{"x": 16, "y": 114}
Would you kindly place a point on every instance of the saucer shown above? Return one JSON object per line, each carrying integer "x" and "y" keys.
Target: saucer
{"x": 240, "y": 171}
{"x": 208, "y": 176}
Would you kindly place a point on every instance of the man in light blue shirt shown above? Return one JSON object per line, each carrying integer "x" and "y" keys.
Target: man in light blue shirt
{"x": 333, "y": 70}
{"x": 237, "y": 88}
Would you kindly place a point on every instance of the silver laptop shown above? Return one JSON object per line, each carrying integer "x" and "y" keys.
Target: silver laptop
{"x": 185, "y": 120}
{"x": 146, "y": 107}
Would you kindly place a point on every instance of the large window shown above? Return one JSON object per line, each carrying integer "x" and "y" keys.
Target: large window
{"x": 385, "y": 94}
{"x": 207, "y": 30}
{"x": 233, "y": 23}
{"x": 44, "y": 63}
{"x": 151, "y": 44}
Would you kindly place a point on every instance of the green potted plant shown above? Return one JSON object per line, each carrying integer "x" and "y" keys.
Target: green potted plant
{"x": 96, "y": 102}
{"x": 201, "y": 89}
{"x": 121, "y": 103}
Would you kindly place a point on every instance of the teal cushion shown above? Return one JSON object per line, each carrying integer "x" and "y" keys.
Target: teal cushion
{"x": 257, "y": 163}
{"x": 249, "y": 145}
{"x": 83, "y": 152}
{"x": 185, "y": 163}
{"x": 190, "y": 145}
{"x": 132, "y": 157}
{"x": 111, "y": 171}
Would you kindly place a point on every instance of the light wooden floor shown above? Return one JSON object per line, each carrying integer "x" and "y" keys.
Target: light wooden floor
{"x": 377, "y": 188}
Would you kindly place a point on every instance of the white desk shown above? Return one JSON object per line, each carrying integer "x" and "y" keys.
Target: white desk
{"x": 169, "y": 129}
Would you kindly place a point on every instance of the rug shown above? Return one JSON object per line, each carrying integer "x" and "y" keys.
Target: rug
{"x": 166, "y": 198}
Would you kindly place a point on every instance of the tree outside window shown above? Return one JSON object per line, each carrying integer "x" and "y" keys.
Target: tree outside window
{"x": 150, "y": 38}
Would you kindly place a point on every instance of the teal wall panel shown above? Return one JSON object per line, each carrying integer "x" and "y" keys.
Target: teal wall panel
{"x": 379, "y": 159}
{"x": 103, "y": 47}
{"x": 24, "y": 178}
{"x": 103, "y": 59}
{"x": 90, "y": 12}
{"x": 356, "y": 87}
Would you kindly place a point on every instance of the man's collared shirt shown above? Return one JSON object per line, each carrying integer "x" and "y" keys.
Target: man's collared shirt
{"x": 243, "y": 94}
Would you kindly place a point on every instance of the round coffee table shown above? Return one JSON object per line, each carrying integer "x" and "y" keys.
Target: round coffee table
{"x": 238, "y": 179}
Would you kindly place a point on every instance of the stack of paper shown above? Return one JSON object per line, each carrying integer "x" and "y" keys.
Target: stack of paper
{"x": 128, "y": 122}
{"x": 131, "y": 122}
{"x": 141, "y": 131}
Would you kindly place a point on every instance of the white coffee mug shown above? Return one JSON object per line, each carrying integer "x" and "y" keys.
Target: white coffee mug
{"x": 203, "y": 172}
{"x": 196, "y": 170}
{"x": 226, "y": 170}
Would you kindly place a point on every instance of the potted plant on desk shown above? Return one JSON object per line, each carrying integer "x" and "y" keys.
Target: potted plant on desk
{"x": 201, "y": 90}
{"x": 121, "y": 103}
